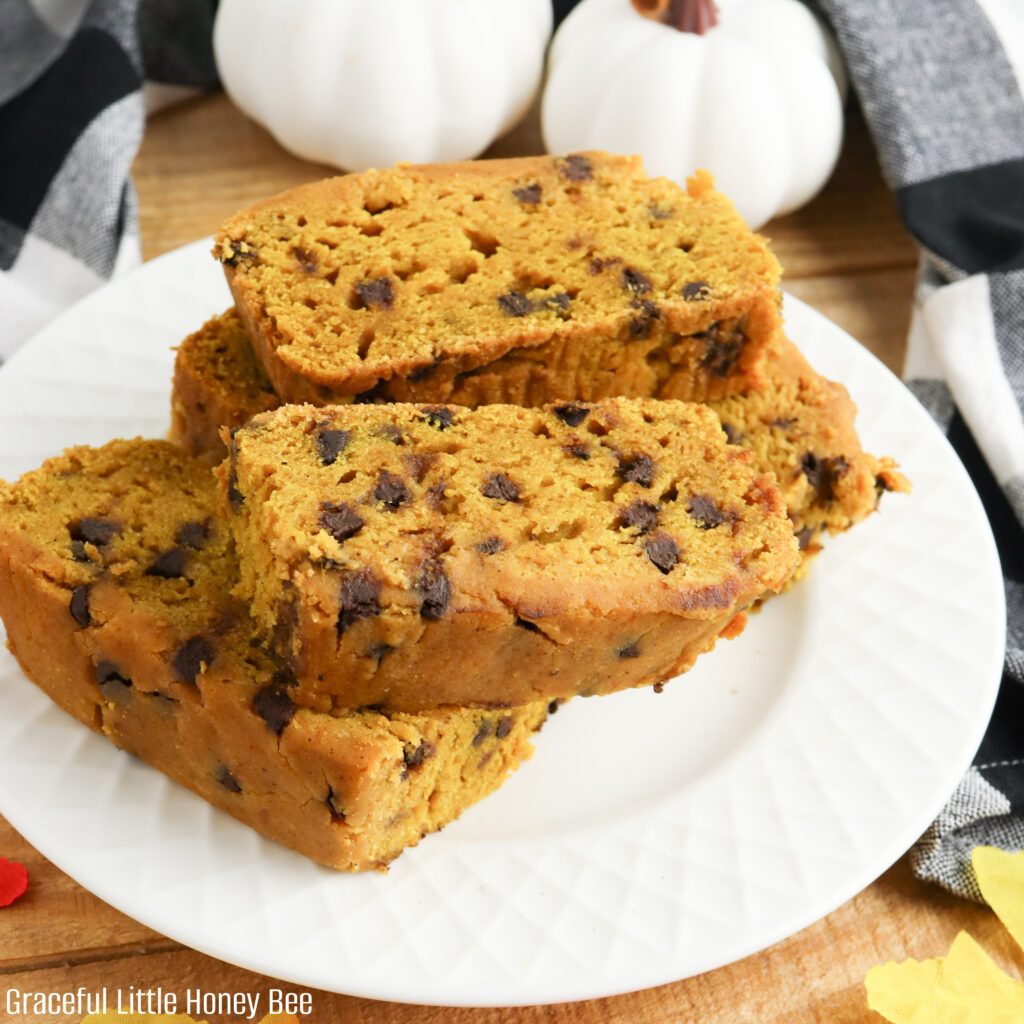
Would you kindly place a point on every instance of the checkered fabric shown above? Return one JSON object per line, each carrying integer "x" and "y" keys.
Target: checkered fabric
{"x": 940, "y": 85}
{"x": 75, "y": 79}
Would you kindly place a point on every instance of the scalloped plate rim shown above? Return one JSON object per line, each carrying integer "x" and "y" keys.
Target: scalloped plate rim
{"x": 175, "y": 271}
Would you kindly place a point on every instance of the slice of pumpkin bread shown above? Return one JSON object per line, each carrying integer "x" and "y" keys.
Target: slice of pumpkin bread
{"x": 522, "y": 281}
{"x": 799, "y": 426}
{"x": 115, "y": 573}
{"x": 218, "y": 382}
{"x": 408, "y": 556}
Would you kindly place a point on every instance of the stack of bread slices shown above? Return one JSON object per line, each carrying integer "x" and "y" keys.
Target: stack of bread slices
{"x": 474, "y": 439}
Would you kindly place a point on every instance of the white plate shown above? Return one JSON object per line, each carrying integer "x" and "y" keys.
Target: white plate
{"x": 651, "y": 838}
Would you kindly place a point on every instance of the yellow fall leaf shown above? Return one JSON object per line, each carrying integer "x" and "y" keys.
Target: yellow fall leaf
{"x": 897, "y": 991}
{"x": 964, "y": 987}
{"x": 1001, "y": 880}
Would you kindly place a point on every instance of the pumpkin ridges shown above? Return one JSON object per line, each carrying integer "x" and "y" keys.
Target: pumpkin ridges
{"x": 757, "y": 100}
{"x": 355, "y": 85}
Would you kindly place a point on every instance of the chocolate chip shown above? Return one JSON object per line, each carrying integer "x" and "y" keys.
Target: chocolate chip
{"x": 193, "y": 534}
{"x": 227, "y": 780}
{"x": 722, "y": 349}
{"x": 424, "y": 372}
{"x": 598, "y": 263}
{"x": 391, "y": 433}
{"x": 97, "y": 532}
{"x": 782, "y": 422}
{"x": 486, "y": 727}
{"x": 333, "y": 806}
{"x": 377, "y": 395}
{"x": 629, "y": 650}
{"x": 435, "y": 592}
{"x": 515, "y": 303}
{"x": 823, "y": 473}
{"x": 415, "y": 757}
{"x": 274, "y": 706}
{"x": 284, "y": 679}
{"x": 235, "y": 256}
{"x": 663, "y": 551}
{"x": 377, "y": 651}
{"x": 572, "y": 415}
{"x": 340, "y": 520}
{"x": 439, "y": 417}
{"x": 112, "y": 684}
{"x": 694, "y": 291}
{"x": 554, "y": 705}
{"x": 169, "y": 565}
{"x": 660, "y": 212}
{"x": 576, "y": 167}
{"x": 490, "y": 546}
{"x": 330, "y": 444}
{"x": 635, "y": 282}
{"x": 78, "y": 552}
{"x": 504, "y": 727}
{"x": 528, "y": 194}
{"x": 804, "y": 536}
{"x": 636, "y": 469}
{"x": 191, "y": 656}
{"x": 435, "y": 496}
{"x": 376, "y": 294}
{"x": 640, "y": 514}
{"x": 391, "y": 491}
{"x": 703, "y": 509}
{"x": 357, "y": 599}
{"x": 732, "y": 435}
{"x": 80, "y": 606}
{"x": 307, "y": 260}
{"x": 559, "y": 302}
{"x": 499, "y": 487}
{"x": 577, "y": 451}
{"x": 418, "y": 464}
{"x": 286, "y": 621}
{"x": 640, "y": 325}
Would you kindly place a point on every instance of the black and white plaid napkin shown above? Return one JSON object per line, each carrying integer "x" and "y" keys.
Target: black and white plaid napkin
{"x": 75, "y": 80}
{"x": 943, "y": 102}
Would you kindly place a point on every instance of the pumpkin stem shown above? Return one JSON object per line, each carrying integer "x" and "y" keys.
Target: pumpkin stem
{"x": 695, "y": 16}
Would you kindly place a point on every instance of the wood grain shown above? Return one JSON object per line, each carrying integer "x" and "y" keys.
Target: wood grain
{"x": 847, "y": 255}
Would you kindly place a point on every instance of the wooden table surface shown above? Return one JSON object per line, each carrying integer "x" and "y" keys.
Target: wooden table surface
{"x": 847, "y": 255}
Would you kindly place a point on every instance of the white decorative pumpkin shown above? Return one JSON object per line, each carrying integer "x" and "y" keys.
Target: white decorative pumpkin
{"x": 757, "y": 99}
{"x": 367, "y": 84}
